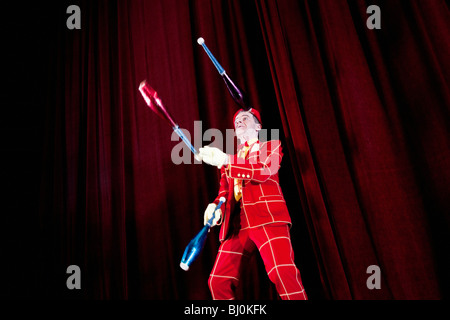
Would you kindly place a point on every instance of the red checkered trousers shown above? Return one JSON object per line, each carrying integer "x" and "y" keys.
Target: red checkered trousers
{"x": 262, "y": 224}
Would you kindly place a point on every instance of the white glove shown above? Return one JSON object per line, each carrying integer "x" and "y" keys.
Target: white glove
{"x": 213, "y": 156}
{"x": 209, "y": 212}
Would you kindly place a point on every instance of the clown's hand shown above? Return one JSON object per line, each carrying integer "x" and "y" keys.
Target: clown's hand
{"x": 213, "y": 156}
{"x": 209, "y": 212}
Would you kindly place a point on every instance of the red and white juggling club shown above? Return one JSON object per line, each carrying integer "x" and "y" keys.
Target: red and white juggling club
{"x": 156, "y": 105}
{"x": 239, "y": 96}
{"x": 195, "y": 246}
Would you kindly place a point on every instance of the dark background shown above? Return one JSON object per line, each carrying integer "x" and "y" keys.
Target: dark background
{"x": 86, "y": 169}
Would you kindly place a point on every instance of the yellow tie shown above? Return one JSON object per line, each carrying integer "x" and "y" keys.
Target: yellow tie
{"x": 238, "y": 182}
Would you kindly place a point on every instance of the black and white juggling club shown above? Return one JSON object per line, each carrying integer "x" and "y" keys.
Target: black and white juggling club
{"x": 195, "y": 246}
{"x": 239, "y": 96}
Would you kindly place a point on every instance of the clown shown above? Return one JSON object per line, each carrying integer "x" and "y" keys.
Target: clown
{"x": 255, "y": 216}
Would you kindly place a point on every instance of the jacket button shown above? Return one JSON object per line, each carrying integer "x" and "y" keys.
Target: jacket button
{"x": 238, "y": 174}
{"x": 248, "y": 176}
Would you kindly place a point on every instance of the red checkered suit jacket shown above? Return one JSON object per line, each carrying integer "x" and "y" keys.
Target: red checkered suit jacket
{"x": 262, "y": 200}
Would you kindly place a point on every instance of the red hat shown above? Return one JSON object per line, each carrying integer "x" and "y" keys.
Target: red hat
{"x": 253, "y": 111}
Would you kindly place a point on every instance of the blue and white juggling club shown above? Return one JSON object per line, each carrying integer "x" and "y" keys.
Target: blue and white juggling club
{"x": 194, "y": 247}
{"x": 239, "y": 96}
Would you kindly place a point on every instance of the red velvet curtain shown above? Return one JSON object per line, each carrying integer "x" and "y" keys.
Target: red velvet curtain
{"x": 364, "y": 121}
{"x": 368, "y": 115}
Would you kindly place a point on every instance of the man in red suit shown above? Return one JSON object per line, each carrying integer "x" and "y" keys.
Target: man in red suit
{"x": 255, "y": 214}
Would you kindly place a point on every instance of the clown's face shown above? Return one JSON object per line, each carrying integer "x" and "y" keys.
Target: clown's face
{"x": 246, "y": 127}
